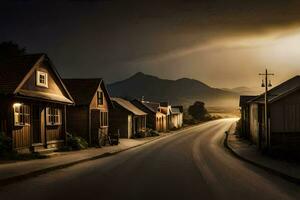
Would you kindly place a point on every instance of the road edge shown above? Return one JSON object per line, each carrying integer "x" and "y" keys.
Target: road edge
{"x": 267, "y": 169}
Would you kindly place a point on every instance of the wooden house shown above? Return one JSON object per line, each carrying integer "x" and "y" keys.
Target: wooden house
{"x": 33, "y": 102}
{"x": 89, "y": 117}
{"x": 176, "y": 117}
{"x": 156, "y": 120}
{"x": 126, "y": 118}
{"x": 283, "y": 117}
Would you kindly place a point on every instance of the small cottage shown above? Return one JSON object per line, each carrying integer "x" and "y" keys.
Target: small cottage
{"x": 89, "y": 117}
{"x": 156, "y": 120}
{"x": 33, "y": 101}
{"x": 126, "y": 118}
{"x": 283, "y": 117}
{"x": 176, "y": 116}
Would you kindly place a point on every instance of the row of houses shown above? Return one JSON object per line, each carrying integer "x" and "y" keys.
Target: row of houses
{"x": 38, "y": 107}
{"x": 283, "y": 117}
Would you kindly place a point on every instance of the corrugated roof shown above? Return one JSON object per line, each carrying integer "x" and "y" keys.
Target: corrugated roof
{"x": 280, "y": 90}
{"x": 14, "y": 70}
{"x": 82, "y": 90}
{"x": 128, "y": 106}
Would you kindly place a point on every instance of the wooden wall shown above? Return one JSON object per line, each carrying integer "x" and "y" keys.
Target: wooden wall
{"x": 254, "y": 123}
{"x": 119, "y": 121}
{"x": 78, "y": 121}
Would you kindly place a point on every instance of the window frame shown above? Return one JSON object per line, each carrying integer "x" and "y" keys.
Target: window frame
{"x": 103, "y": 119}
{"x": 38, "y": 79}
{"x": 100, "y": 98}
{"x": 22, "y": 113}
{"x": 53, "y": 116}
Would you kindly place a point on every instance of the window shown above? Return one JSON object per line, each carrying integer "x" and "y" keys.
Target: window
{"x": 53, "y": 116}
{"x": 99, "y": 98}
{"x": 103, "y": 119}
{"x": 21, "y": 114}
{"x": 41, "y": 79}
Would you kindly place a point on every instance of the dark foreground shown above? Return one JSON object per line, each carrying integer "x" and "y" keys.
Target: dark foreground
{"x": 190, "y": 165}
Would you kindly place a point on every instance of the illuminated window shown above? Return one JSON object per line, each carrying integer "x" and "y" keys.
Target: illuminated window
{"x": 41, "y": 79}
{"x": 53, "y": 116}
{"x": 21, "y": 114}
{"x": 99, "y": 98}
{"x": 103, "y": 119}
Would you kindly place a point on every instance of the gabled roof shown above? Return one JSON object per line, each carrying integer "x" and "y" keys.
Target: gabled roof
{"x": 280, "y": 90}
{"x": 245, "y": 98}
{"x": 83, "y": 90}
{"x": 16, "y": 71}
{"x": 128, "y": 106}
{"x": 150, "y": 106}
{"x": 175, "y": 110}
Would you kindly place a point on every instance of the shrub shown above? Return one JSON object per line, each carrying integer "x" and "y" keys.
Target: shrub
{"x": 140, "y": 135}
{"x": 151, "y": 133}
{"x": 5, "y": 144}
{"x": 154, "y": 133}
{"x": 76, "y": 143}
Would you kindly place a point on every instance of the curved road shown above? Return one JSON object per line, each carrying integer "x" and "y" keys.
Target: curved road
{"x": 190, "y": 165}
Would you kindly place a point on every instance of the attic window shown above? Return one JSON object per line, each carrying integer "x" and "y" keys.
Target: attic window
{"x": 99, "y": 98}
{"x": 41, "y": 79}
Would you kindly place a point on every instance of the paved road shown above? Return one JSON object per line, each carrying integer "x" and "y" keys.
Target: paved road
{"x": 189, "y": 165}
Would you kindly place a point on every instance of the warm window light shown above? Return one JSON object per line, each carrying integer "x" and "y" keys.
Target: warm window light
{"x": 17, "y": 105}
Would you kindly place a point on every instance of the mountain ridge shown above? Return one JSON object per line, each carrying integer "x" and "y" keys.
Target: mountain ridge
{"x": 181, "y": 91}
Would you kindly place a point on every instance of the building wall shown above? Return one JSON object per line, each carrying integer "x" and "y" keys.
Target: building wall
{"x": 37, "y": 135}
{"x": 254, "y": 123}
{"x": 78, "y": 121}
{"x": 285, "y": 121}
{"x": 119, "y": 123}
{"x": 161, "y": 122}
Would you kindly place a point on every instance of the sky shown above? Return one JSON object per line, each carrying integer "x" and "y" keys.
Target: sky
{"x": 222, "y": 43}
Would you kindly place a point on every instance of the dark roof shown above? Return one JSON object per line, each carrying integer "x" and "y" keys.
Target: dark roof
{"x": 280, "y": 90}
{"x": 245, "y": 98}
{"x": 180, "y": 108}
{"x": 164, "y": 104}
{"x": 14, "y": 70}
{"x": 128, "y": 106}
{"x": 83, "y": 90}
{"x": 175, "y": 110}
{"x": 150, "y": 106}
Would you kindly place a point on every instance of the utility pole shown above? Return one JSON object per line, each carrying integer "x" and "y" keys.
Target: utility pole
{"x": 266, "y": 84}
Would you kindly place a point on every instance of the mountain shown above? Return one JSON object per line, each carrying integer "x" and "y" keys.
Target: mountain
{"x": 183, "y": 91}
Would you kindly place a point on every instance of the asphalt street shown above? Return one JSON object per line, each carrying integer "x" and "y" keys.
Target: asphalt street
{"x": 192, "y": 164}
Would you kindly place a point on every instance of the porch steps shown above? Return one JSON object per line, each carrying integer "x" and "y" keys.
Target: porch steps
{"x": 45, "y": 151}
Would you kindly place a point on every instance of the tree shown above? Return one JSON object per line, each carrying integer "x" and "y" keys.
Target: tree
{"x": 10, "y": 49}
{"x": 198, "y": 110}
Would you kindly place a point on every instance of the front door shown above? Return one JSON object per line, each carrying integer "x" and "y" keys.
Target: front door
{"x": 36, "y": 116}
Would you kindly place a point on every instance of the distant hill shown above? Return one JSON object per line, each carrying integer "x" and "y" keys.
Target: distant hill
{"x": 243, "y": 90}
{"x": 182, "y": 91}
